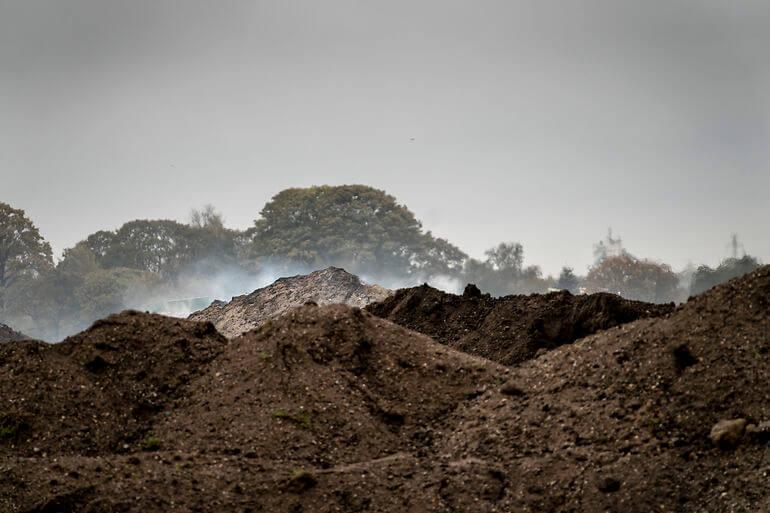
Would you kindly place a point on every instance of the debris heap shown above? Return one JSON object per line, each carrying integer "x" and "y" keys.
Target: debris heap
{"x": 328, "y": 286}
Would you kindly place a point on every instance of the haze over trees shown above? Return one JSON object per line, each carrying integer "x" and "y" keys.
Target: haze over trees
{"x": 144, "y": 263}
{"x": 619, "y": 272}
{"x": 705, "y": 277}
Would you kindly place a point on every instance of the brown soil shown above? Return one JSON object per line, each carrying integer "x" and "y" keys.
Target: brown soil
{"x": 509, "y": 329}
{"x": 328, "y": 286}
{"x": 7, "y": 334}
{"x": 99, "y": 390}
{"x": 333, "y": 409}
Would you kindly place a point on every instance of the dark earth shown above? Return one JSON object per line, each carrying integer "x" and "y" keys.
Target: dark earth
{"x": 331, "y": 408}
{"x": 510, "y": 329}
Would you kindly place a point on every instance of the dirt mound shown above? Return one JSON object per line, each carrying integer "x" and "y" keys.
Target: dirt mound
{"x": 7, "y": 334}
{"x": 100, "y": 389}
{"x": 310, "y": 411}
{"x": 510, "y": 329}
{"x": 328, "y": 286}
{"x": 332, "y": 409}
{"x": 324, "y": 386}
{"x": 667, "y": 414}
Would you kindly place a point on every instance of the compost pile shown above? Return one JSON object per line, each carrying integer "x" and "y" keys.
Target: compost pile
{"x": 328, "y": 286}
{"x": 332, "y": 409}
{"x": 8, "y": 334}
{"x": 510, "y": 329}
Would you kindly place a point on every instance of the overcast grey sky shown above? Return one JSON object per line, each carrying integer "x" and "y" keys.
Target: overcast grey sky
{"x": 534, "y": 121}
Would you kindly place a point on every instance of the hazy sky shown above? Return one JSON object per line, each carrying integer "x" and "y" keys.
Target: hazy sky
{"x": 533, "y": 121}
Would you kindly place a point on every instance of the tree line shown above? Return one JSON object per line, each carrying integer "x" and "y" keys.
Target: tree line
{"x": 356, "y": 227}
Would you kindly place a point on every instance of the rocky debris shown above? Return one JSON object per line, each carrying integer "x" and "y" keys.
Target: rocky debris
{"x": 7, "y": 334}
{"x": 510, "y": 329}
{"x": 332, "y": 409}
{"x": 328, "y": 286}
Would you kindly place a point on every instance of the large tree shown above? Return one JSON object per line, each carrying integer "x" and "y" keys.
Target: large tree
{"x": 634, "y": 278}
{"x": 568, "y": 280}
{"x": 23, "y": 251}
{"x": 355, "y": 226}
{"x": 163, "y": 246}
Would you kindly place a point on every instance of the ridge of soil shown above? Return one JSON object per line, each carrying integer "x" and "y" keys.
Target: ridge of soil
{"x": 509, "y": 329}
{"x": 327, "y": 286}
{"x": 332, "y": 409}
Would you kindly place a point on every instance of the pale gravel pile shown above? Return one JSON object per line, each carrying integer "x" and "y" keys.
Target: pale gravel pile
{"x": 325, "y": 287}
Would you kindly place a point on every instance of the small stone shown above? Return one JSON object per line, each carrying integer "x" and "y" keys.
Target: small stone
{"x": 727, "y": 433}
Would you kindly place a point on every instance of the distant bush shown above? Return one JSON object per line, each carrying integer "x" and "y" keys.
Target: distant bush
{"x": 705, "y": 277}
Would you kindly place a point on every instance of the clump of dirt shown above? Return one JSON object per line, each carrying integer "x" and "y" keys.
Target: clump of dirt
{"x": 509, "y": 329}
{"x": 328, "y": 286}
{"x": 332, "y": 409}
{"x": 100, "y": 389}
{"x": 7, "y": 334}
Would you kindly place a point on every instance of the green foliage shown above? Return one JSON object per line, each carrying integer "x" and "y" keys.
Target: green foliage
{"x": 23, "y": 251}
{"x": 301, "y": 418}
{"x": 503, "y": 272}
{"x": 705, "y": 277}
{"x": 163, "y": 247}
{"x": 75, "y": 293}
{"x": 10, "y": 428}
{"x": 106, "y": 291}
{"x": 567, "y": 280}
{"x": 507, "y": 256}
{"x": 301, "y": 480}
{"x": 151, "y": 444}
{"x": 632, "y": 278}
{"x": 354, "y": 226}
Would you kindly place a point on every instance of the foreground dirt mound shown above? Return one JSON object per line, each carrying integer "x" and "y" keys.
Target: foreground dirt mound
{"x": 328, "y": 286}
{"x": 100, "y": 389}
{"x": 330, "y": 409}
{"x": 660, "y": 415}
{"x": 7, "y": 334}
{"x": 510, "y": 329}
{"x": 328, "y": 395}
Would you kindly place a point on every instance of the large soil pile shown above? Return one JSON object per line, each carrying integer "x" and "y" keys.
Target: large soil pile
{"x": 510, "y": 329}
{"x": 328, "y": 286}
{"x": 660, "y": 415}
{"x": 333, "y": 409}
{"x": 8, "y": 334}
{"x": 99, "y": 390}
